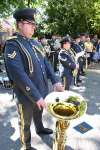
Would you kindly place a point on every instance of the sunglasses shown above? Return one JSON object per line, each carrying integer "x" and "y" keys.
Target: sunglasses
{"x": 29, "y": 22}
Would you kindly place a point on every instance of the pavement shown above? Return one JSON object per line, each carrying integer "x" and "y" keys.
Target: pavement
{"x": 90, "y": 90}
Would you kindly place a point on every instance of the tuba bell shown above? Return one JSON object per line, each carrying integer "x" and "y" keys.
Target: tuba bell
{"x": 64, "y": 106}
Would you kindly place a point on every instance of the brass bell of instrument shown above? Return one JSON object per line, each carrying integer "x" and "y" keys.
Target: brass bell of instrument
{"x": 64, "y": 106}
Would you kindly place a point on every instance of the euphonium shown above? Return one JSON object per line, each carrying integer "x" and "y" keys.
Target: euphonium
{"x": 64, "y": 107}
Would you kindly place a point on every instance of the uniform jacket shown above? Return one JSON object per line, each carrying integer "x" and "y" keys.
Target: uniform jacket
{"x": 79, "y": 51}
{"x": 28, "y": 68}
{"x": 76, "y": 47}
{"x": 67, "y": 61}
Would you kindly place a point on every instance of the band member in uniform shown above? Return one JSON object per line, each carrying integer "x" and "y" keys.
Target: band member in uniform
{"x": 82, "y": 40}
{"x": 79, "y": 54}
{"x": 81, "y": 43}
{"x": 67, "y": 61}
{"x": 55, "y": 46}
{"x": 29, "y": 70}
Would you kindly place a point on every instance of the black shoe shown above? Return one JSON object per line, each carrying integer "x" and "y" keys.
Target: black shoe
{"x": 31, "y": 148}
{"x": 79, "y": 81}
{"x": 83, "y": 74}
{"x": 77, "y": 84}
{"x": 1, "y": 70}
{"x": 45, "y": 131}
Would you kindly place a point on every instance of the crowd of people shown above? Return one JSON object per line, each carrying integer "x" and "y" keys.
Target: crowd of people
{"x": 71, "y": 56}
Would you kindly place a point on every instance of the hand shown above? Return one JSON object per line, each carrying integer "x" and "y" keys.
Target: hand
{"x": 58, "y": 87}
{"x": 41, "y": 104}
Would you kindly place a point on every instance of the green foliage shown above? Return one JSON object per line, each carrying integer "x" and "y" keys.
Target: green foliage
{"x": 72, "y": 16}
{"x": 62, "y": 16}
{"x": 94, "y": 21}
{"x": 8, "y": 6}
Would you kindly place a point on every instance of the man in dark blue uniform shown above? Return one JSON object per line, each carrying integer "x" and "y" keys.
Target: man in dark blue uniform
{"x": 79, "y": 54}
{"x": 67, "y": 61}
{"x": 29, "y": 70}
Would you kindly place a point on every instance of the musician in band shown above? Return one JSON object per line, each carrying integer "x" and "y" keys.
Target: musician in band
{"x": 29, "y": 70}
{"x": 67, "y": 62}
{"x": 55, "y": 47}
{"x": 79, "y": 54}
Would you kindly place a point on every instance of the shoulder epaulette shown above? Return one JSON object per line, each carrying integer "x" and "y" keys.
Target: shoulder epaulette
{"x": 11, "y": 37}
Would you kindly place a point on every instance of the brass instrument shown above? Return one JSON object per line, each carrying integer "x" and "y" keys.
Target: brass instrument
{"x": 64, "y": 106}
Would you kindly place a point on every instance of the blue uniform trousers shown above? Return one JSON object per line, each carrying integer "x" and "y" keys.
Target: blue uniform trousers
{"x": 27, "y": 112}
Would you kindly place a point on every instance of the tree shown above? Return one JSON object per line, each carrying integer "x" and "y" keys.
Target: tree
{"x": 72, "y": 16}
{"x": 62, "y": 16}
{"x": 94, "y": 20}
{"x": 8, "y": 6}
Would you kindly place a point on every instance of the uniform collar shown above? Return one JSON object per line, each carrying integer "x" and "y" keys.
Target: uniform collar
{"x": 23, "y": 37}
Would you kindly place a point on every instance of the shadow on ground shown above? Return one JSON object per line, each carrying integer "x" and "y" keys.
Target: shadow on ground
{"x": 48, "y": 140}
{"x": 6, "y": 130}
{"x": 90, "y": 90}
{"x": 6, "y": 143}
